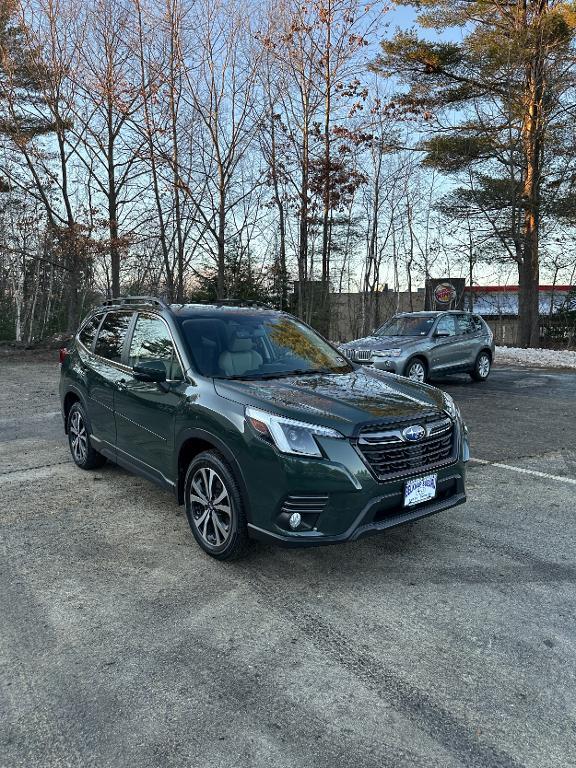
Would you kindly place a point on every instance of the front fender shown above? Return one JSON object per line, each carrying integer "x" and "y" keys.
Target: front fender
{"x": 207, "y": 436}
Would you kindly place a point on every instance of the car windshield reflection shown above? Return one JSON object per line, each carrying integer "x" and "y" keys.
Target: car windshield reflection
{"x": 407, "y": 326}
{"x": 241, "y": 346}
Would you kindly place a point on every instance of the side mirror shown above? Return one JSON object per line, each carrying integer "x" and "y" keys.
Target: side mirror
{"x": 441, "y": 334}
{"x": 149, "y": 371}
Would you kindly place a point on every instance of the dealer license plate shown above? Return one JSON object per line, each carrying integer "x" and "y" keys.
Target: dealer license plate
{"x": 419, "y": 489}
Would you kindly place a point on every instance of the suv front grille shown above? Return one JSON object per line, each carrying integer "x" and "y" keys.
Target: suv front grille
{"x": 360, "y": 355}
{"x": 388, "y": 453}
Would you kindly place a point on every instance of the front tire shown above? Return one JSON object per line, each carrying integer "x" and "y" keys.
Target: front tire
{"x": 416, "y": 370}
{"x": 79, "y": 433}
{"x": 482, "y": 367}
{"x": 214, "y": 507}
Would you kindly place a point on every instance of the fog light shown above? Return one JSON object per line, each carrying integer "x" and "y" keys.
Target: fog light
{"x": 295, "y": 520}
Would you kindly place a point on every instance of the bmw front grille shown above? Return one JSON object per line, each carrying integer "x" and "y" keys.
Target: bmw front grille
{"x": 359, "y": 355}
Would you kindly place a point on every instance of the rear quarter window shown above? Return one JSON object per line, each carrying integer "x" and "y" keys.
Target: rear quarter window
{"x": 111, "y": 336}
{"x": 477, "y": 324}
{"x": 88, "y": 332}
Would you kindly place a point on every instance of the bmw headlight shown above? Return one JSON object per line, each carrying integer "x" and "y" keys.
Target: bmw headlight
{"x": 387, "y": 353}
{"x": 450, "y": 407}
{"x": 287, "y": 435}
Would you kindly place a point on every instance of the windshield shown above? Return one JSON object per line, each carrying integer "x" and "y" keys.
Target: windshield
{"x": 407, "y": 326}
{"x": 251, "y": 346}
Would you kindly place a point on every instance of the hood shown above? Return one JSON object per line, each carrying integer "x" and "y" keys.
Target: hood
{"x": 340, "y": 401}
{"x": 383, "y": 342}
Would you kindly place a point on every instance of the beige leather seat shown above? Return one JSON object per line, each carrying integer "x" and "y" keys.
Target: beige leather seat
{"x": 239, "y": 358}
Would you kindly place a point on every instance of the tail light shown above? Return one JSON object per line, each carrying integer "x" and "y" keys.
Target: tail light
{"x": 64, "y": 352}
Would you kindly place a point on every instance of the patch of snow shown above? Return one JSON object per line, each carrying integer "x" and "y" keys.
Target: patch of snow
{"x": 536, "y": 358}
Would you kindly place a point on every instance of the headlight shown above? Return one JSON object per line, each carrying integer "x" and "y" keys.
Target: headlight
{"x": 387, "y": 353}
{"x": 450, "y": 406}
{"x": 287, "y": 435}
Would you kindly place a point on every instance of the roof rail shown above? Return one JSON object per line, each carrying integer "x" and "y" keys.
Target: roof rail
{"x": 240, "y": 303}
{"x": 134, "y": 300}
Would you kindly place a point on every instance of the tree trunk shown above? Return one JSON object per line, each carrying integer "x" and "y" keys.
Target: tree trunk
{"x": 303, "y": 234}
{"x": 326, "y": 202}
{"x": 174, "y": 21}
{"x": 221, "y": 280}
{"x": 283, "y": 268}
{"x": 470, "y": 269}
{"x": 283, "y": 272}
{"x": 528, "y": 301}
{"x": 303, "y": 223}
{"x": 48, "y": 306}
{"x": 410, "y": 256}
{"x": 72, "y": 262}
{"x": 532, "y": 139}
{"x": 72, "y": 316}
{"x": 34, "y": 303}
{"x": 18, "y": 302}
{"x": 113, "y": 211}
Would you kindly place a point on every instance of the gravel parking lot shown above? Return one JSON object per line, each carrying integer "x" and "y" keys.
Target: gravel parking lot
{"x": 450, "y": 642}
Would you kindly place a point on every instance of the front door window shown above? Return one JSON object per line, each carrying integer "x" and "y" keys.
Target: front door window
{"x": 151, "y": 341}
{"x": 446, "y": 325}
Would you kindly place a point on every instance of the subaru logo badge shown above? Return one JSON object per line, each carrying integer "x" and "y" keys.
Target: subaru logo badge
{"x": 413, "y": 433}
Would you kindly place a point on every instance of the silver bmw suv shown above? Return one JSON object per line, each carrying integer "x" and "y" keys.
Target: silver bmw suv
{"x": 421, "y": 345}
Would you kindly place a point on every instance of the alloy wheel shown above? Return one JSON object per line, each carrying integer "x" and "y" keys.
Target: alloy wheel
{"x": 211, "y": 507}
{"x": 78, "y": 438}
{"x": 417, "y": 372}
{"x": 483, "y": 366}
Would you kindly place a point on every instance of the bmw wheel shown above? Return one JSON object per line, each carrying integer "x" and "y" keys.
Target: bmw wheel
{"x": 79, "y": 431}
{"x": 416, "y": 370}
{"x": 214, "y": 507}
{"x": 482, "y": 367}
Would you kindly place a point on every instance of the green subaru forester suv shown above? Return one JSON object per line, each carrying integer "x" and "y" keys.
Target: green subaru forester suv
{"x": 260, "y": 427}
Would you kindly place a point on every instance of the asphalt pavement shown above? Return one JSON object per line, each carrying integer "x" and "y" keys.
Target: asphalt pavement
{"x": 448, "y": 642}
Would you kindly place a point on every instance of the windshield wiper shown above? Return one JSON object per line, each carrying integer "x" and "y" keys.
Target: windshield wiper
{"x": 304, "y": 372}
{"x": 275, "y": 375}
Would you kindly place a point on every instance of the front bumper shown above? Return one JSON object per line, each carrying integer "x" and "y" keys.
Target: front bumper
{"x": 390, "y": 365}
{"x": 384, "y": 362}
{"x": 378, "y": 515}
{"x": 356, "y": 504}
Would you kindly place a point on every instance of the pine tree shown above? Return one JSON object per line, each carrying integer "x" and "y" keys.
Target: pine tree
{"x": 19, "y": 78}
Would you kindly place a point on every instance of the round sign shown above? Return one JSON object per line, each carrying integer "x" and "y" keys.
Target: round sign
{"x": 444, "y": 293}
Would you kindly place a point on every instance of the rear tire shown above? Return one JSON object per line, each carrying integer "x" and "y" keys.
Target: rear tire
{"x": 79, "y": 432}
{"x": 416, "y": 370}
{"x": 214, "y": 507}
{"x": 482, "y": 367}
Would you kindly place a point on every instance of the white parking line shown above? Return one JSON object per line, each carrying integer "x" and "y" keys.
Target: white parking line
{"x": 534, "y": 472}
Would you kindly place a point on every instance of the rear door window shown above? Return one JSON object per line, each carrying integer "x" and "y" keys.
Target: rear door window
{"x": 464, "y": 324}
{"x": 88, "y": 332}
{"x": 111, "y": 336}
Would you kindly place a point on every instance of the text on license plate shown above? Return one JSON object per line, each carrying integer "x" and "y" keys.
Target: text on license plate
{"x": 419, "y": 489}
